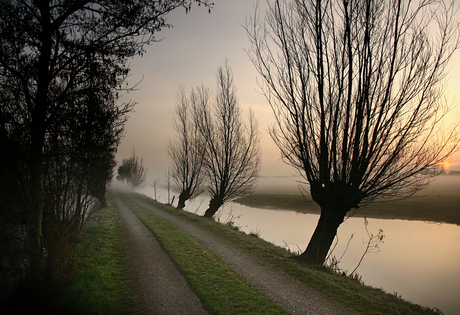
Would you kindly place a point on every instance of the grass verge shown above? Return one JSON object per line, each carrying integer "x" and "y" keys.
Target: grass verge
{"x": 101, "y": 281}
{"x": 218, "y": 286}
{"x": 347, "y": 292}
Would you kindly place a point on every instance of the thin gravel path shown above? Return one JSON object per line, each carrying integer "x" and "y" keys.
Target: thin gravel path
{"x": 286, "y": 291}
{"x": 165, "y": 290}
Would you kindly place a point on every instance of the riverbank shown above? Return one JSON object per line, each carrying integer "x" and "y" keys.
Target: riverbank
{"x": 350, "y": 293}
{"x": 411, "y": 248}
{"x": 433, "y": 208}
{"x": 104, "y": 283}
{"x": 439, "y": 202}
{"x": 102, "y": 280}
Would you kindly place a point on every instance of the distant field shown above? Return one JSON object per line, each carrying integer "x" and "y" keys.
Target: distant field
{"x": 440, "y": 202}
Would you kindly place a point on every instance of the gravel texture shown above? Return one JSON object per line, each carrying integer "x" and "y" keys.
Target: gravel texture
{"x": 286, "y": 291}
{"x": 165, "y": 290}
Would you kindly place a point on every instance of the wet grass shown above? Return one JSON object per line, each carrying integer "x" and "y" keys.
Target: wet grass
{"x": 101, "y": 281}
{"x": 343, "y": 290}
{"x": 221, "y": 290}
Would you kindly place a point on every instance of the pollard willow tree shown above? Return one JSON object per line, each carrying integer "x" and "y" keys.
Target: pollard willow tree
{"x": 232, "y": 160}
{"x": 46, "y": 49}
{"x": 188, "y": 149}
{"x": 356, "y": 90}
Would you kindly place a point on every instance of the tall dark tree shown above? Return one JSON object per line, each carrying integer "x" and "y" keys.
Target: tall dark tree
{"x": 100, "y": 130}
{"x": 78, "y": 162}
{"x": 188, "y": 150}
{"x": 232, "y": 148}
{"x": 355, "y": 86}
{"x": 47, "y": 49}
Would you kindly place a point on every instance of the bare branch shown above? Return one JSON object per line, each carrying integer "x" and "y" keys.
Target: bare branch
{"x": 188, "y": 150}
{"x": 356, "y": 89}
{"x": 233, "y": 153}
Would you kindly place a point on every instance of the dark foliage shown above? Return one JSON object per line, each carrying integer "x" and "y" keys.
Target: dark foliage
{"x": 62, "y": 64}
{"x": 132, "y": 171}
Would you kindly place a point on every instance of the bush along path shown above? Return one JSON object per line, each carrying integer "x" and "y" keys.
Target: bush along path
{"x": 228, "y": 279}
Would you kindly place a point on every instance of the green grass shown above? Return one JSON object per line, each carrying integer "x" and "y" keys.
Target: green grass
{"x": 101, "y": 283}
{"x": 349, "y": 293}
{"x": 218, "y": 286}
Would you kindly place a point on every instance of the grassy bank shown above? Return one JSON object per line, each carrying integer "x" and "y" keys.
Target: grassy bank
{"x": 350, "y": 293}
{"x": 101, "y": 281}
{"x": 415, "y": 208}
{"x": 221, "y": 290}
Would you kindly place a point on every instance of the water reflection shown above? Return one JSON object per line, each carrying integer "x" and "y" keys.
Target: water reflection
{"x": 418, "y": 260}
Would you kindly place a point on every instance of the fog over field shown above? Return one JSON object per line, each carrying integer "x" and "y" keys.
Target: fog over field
{"x": 441, "y": 185}
{"x": 440, "y": 201}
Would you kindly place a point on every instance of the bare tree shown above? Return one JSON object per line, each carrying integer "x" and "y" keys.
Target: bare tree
{"x": 154, "y": 185}
{"x": 355, "y": 86}
{"x": 132, "y": 171}
{"x": 233, "y": 150}
{"x": 189, "y": 148}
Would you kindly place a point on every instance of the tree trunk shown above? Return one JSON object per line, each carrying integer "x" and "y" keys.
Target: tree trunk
{"x": 103, "y": 201}
{"x": 34, "y": 228}
{"x": 183, "y": 197}
{"x": 34, "y": 219}
{"x": 99, "y": 192}
{"x": 214, "y": 205}
{"x": 324, "y": 235}
{"x": 34, "y": 234}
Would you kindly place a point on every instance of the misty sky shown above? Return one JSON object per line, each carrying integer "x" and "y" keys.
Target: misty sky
{"x": 189, "y": 55}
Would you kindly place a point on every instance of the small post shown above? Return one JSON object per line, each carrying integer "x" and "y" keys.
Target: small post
{"x": 155, "y": 182}
{"x": 169, "y": 181}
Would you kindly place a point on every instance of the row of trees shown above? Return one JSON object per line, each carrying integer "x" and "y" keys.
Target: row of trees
{"x": 62, "y": 64}
{"x": 214, "y": 149}
{"x": 356, "y": 90}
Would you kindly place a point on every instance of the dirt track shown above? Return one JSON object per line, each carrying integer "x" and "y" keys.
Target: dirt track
{"x": 281, "y": 288}
{"x": 165, "y": 289}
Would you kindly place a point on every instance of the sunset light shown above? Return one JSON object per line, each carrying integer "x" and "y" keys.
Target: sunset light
{"x": 446, "y": 165}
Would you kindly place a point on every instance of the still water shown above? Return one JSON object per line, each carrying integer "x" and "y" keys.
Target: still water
{"x": 419, "y": 261}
